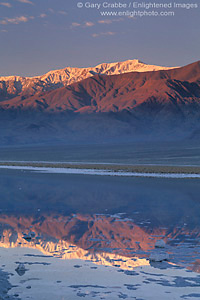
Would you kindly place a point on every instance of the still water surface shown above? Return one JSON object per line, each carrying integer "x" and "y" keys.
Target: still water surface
{"x": 110, "y": 221}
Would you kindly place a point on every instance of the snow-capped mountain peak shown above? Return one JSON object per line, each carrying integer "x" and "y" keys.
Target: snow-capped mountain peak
{"x": 12, "y": 86}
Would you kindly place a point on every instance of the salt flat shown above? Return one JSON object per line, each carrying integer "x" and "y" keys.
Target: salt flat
{"x": 100, "y": 172}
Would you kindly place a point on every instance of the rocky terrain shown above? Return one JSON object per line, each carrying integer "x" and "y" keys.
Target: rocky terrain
{"x": 151, "y": 105}
{"x": 12, "y": 86}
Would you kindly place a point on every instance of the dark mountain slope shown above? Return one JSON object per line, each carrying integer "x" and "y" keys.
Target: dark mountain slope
{"x": 126, "y": 107}
{"x": 176, "y": 88}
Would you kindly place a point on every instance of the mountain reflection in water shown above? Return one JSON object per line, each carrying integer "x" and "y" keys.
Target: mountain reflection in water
{"x": 109, "y": 220}
{"x": 111, "y": 240}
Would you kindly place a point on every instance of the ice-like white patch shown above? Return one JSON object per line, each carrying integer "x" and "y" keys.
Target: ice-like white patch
{"x": 60, "y": 279}
{"x": 99, "y": 172}
{"x": 160, "y": 244}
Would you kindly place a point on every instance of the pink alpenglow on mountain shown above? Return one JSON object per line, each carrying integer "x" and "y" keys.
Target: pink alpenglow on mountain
{"x": 12, "y": 86}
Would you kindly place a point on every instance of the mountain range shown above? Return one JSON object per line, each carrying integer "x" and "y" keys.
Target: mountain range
{"x": 129, "y": 99}
{"x": 12, "y": 86}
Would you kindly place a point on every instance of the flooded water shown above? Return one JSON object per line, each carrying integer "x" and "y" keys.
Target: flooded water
{"x": 95, "y": 226}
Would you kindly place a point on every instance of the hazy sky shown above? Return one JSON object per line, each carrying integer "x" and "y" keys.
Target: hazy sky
{"x": 40, "y": 35}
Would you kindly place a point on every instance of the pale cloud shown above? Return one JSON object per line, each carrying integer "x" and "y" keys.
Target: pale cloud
{"x": 4, "y": 30}
{"x": 95, "y": 35}
{"x": 109, "y": 21}
{"x": 83, "y": 25}
{"x": 3, "y": 22}
{"x": 42, "y": 16}
{"x": 88, "y": 24}
{"x": 26, "y": 1}
{"x": 118, "y": 20}
{"x": 7, "y": 4}
{"x": 108, "y": 33}
{"x": 74, "y": 24}
{"x": 104, "y": 21}
{"x": 51, "y": 10}
{"x": 62, "y": 12}
{"x": 16, "y": 20}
